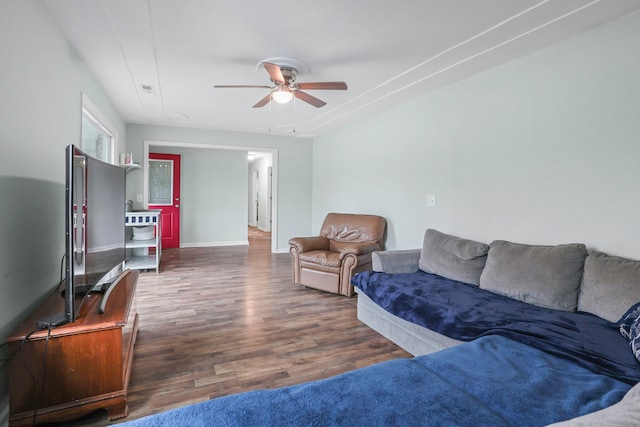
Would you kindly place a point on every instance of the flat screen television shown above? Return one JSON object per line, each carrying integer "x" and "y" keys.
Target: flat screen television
{"x": 95, "y": 251}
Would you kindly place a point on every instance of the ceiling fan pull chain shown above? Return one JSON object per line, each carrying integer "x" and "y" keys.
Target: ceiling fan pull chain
{"x": 270, "y": 116}
{"x": 294, "y": 114}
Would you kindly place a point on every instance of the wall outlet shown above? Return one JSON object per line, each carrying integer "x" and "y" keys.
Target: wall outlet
{"x": 139, "y": 198}
{"x": 431, "y": 200}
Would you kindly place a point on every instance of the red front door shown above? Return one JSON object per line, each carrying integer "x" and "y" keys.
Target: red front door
{"x": 164, "y": 194}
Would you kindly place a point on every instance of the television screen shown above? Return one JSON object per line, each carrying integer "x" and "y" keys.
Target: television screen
{"x": 95, "y": 227}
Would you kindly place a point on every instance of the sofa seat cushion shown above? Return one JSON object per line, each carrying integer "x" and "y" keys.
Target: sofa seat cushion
{"x": 325, "y": 258}
{"x": 547, "y": 276}
{"x": 610, "y": 285}
{"x": 453, "y": 257}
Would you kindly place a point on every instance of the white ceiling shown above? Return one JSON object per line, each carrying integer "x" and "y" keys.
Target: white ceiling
{"x": 386, "y": 51}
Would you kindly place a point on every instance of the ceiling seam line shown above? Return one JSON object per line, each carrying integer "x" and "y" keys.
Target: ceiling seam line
{"x": 124, "y": 56}
{"x": 460, "y": 62}
{"x": 437, "y": 55}
{"x": 155, "y": 55}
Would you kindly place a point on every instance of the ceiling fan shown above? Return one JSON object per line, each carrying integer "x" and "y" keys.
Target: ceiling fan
{"x": 285, "y": 86}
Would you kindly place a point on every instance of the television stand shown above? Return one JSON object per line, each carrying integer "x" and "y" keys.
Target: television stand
{"x": 56, "y": 319}
{"x": 87, "y": 363}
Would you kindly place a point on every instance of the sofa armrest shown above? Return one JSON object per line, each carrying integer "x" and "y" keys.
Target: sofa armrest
{"x": 399, "y": 261}
{"x": 306, "y": 244}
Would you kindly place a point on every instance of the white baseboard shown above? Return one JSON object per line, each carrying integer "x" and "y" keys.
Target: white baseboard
{"x": 210, "y": 244}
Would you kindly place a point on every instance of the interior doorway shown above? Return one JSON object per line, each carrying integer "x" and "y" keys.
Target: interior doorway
{"x": 260, "y": 195}
{"x": 153, "y": 145}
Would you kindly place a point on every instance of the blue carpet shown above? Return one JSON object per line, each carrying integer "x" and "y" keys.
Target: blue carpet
{"x": 492, "y": 381}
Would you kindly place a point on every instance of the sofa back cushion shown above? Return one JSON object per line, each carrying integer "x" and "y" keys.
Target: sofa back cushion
{"x": 610, "y": 285}
{"x": 547, "y": 276}
{"x": 453, "y": 257}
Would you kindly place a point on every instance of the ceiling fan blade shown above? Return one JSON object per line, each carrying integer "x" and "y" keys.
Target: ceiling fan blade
{"x": 274, "y": 72}
{"x": 322, "y": 86}
{"x": 264, "y": 101}
{"x": 242, "y": 86}
{"x": 303, "y": 96}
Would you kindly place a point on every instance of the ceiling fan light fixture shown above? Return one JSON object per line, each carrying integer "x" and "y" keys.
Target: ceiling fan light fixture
{"x": 282, "y": 74}
{"x": 282, "y": 96}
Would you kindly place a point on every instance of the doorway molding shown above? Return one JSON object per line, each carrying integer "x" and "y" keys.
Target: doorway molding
{"x": 274, "y": 189}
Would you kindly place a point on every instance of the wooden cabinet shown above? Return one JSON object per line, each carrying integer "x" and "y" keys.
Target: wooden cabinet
{"x": 74, "y": 369}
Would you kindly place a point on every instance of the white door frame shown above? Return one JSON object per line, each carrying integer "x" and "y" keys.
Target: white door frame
{"x": 253, "y": 209}
{"x": 269, "y": 196}
{"x": 274, "y": 183}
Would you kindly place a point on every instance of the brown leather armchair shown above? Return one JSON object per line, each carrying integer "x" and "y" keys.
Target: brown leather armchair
{"x": 327, "y": 262}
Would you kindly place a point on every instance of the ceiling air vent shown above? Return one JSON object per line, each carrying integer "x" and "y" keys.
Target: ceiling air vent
{"x": 148, "y": 89}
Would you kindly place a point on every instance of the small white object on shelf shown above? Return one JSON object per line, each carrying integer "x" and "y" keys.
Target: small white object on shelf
{"x": 143, "y": 233}
{"x": 126, "y": 158}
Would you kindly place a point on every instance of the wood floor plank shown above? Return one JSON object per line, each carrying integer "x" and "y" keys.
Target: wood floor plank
{"x": 222, "y": 320}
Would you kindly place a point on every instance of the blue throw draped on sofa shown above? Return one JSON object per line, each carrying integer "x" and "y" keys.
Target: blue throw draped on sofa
{"x": 466, "y": 312}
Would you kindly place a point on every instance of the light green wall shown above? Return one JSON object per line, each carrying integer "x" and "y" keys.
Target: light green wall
{"x": 41, "y": 81}
{"x": 543, "y": 150}
{"x": 294, "y": 171}
{"x": 213, "y": 199}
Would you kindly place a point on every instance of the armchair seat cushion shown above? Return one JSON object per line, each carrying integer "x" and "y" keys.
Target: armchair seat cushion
{"x": 356, "y": 248}
{"x": 325, "y": 258}
{"x": 307, "y": 267}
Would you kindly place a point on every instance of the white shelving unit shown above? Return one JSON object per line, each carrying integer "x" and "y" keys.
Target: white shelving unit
{"x": 138, "y": 257}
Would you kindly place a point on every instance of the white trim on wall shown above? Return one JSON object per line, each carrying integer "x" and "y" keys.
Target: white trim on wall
{"x": 99, "y": 119}
{"x": 274, "y": 192}
{"x": 212, "y": 244}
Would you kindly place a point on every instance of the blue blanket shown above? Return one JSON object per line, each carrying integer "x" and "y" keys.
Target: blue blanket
{"x": 466, "y": 312}
{"x": 492, "y": 381}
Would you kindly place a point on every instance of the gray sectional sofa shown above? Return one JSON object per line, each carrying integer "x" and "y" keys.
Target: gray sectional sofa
{"x": 560, "y": 277}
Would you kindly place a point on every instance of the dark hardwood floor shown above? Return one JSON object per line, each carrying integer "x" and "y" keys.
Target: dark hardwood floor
{"x": 223, "y": 320}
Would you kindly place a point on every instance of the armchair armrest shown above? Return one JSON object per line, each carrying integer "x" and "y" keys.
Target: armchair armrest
{"x": 306, "y": 244}
{"x": 399, "y": 261}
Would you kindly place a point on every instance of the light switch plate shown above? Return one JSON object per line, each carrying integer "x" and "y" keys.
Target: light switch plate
{"x": 431, "y": 200}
